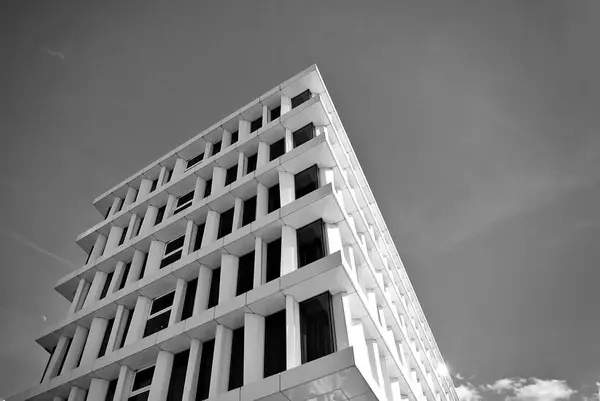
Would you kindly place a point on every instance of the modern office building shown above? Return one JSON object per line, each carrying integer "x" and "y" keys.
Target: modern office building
{"x": 249, "y": 263}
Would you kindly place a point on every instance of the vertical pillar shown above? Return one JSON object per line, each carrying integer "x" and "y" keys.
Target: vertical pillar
{"x": 76, "y": 348}
{"x": 241, "y": 170}
{"x": 161, "y": 176}
{"x": 211, "y": 228}
{"x": 117, "y": 277}
{"x": 260, "y": 253}
{"x": 208, "y": 150}
{"x": 95, "y": 288}
{"x": 169, "y": 207}
{"x": 130, "y": 197}
{"x": 192, "y": 372}
{"x": 263, "y": 155}
{"x": 287, "y": 191}
{"x": 190, "y": 229}
{"x": 254, "y": 347}
{"x": 226, "y": 139}
{"x": 180, "y": 289}
{"x": 115, "y": 206}
{"x": 359, "y": 344}
{"x": 372, "y": 302}
{"x": 137, "y": 263}
{"x": 199, "y": 189}
{"x": 138, "y": 320}
{"x": 340, "y": 321}
{"x": 98, "y": 248}
{"x": 113, "y": 237}
{"x": 265, "y": 119}
{"x": 77, "y": 394}
{"x": 94, "y": 340}
{"x": 179, "y": 167}
{"x": 286, "y": 104}
{"x": 155, "y": 254}
{"x": 98, "y": 390}
{"x": 57, "y": 357}
{"x": 131, "y": 227}
{"x": 229, "y": 274}
{"x": 326, "y": 176}
{"x": 243, "y": 130}
{"x": 292, "y": 329}
{"x": 80, "y": 295}
{"x": 289, "y": 140}
{"x": 262, "y": 201}
{"x": 375, "y": 361}
{"x": 149, "y": 219}
{"x": 162, "y": 375}
{"x": 396, "y": 390}
{"x": 334, "y": 239}
{"x": 118, "y": 329}
{"x": 218, "y": 180}
{"x": 237, "y": 213}
{"x": 219, "y": 378}
{"x": 289, "y": 254}
{"x": 385, "y": 376}
{"x": 201, "y": 299}
{"x": 349, "y": 256}
{"x": 123, "y": 383}
{"x": 145, "y": 186}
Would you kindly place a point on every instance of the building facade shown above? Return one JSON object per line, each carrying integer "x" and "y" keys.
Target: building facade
{"x": 250, "y": 263}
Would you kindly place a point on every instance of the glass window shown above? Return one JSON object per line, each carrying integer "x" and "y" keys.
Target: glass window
{"x": 112, "y": 387}
{"x": 274, "y": 199}
{"x": 256, "y": 124}
{"x": 199, "y": 235}
{"x": 105, "y": 338}
{"x": 160, "y": 215}
{"x": 123, "y": 235}
{"x": 236, "y": 367}
{"x": 275, "y": 113}
{"x": 273, "y": 264}
{"x": 249, "y": 211}
{"x": 311, "y": 243}
{"x": 277, "y": 149}
{"x": 316, "y": 327}
{"x": 126, "y": 329}
{"x": 301, "y": 98}
{"x": 107, "y": 213}
{"x": 206, "y": 360}
{"x": 275, "y": 344}
{"x": 304, "y": 134}
{"x": 143, "y": 270}
{"x": 208, "y": 188}
{"x": 231, "y": 174}
{"x": 234, "y": 137}
{"x": 188, "y": 300}
{"x": 106, "y": 285}
{"x": 168, "y": 174}
{"x": 225, "y": 223}
{"x": 216, "y": 148}
{"x": 245, "y": 276}
{"x": 173, "y": 251}
{"x": 64, "y": 356}
{"x": 160, "y": 312}
{"x": 125, "y": 275}
{"x": 119, "y": 205}
{"x": 306, "y": 181}
{"x": 154, "y": 185}
{"x": 138, "y": 227}
{"x": 251, "y": 166}
{"x": 177, "y": 380}
{"x": 194, "y": 160}
{"x": 183, "y": 202}
{"x": 215, "y": 282}
{"x": 140, "y": 388}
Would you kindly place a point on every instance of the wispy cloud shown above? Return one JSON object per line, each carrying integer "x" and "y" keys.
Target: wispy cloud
{"x": 468, "y": 392}
{"x": 520, "y": 389}
{"x": 55, "y": 54}
{"x": 459, "y": 376}
{"x": 32, "y": 245}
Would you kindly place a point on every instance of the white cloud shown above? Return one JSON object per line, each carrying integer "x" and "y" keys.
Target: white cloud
{"x": 468, "y": 392}
{"x": 459, "y": 376}
{"x": 507, "y": 384}
{"x": 543, "y": 390}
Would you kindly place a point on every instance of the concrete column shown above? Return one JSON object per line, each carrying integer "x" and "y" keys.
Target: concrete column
{"x": 326, "y": 176}
{"x": 57, "y": 357}
{"x": 358, "y": 343}
{"x": 138, "y": 320}
{"x": 77, "y": 394}
{"x": 237, "y": 214}
{"x": 218, "y": 180}
{"x": 193, "y": 371}
{"x": 124, "y": 383}
{"x": 130, "y": 197}
{"x": 262, "y": 201}
{"x": 289, "y": 254}
{"x": 334, "y": 239}
{"x": 98, "y": 248}
{"x": 265, "y": 119}
{"x": 260, "y": 259}
{"x": 208, "y": 150}
{"x": 135, "y": 269}
{"x": 170, "y": 206}
{"x": 134, "y": 221}
{"x": 372, "y": 302}
{"x": 241, "y": 170}
{"x": 203, "y": 289}
{"x": 162, "y": 375}
{"x": 254, "y": 347}
{"x": 155, "y": 255}
{"x": 289, "y": 140}
{"x": 292, "y": 330}
{"x": 287, "y": 190}
{"x": 179, "y": 167}
{"x": 243, "y": 130}
{"x": 118, "y": 329}
{"x": 351, "y": 223}
{"x": 190, "y": 230}
{"x": 225, "y": 139}
{"x": 286, "y": 104}
{"x": 94, "y": 340}
{"x": 98, "y": 390}
{"x": 80, "y": 295}
{"x": 115, "y": 206}
{"x": 180, "y": 289}
{"x": 219, "y": 378}
{"x": 340, "y": 321}
{"x": 145, "y": 186}
{"x": 263, "y": 155}
{"x": 76, "y": 348}
{"x": 229, "y": 274}
{"x": 161, "y": 178}
{"x": 117, "y": 277}
{"x": 374, "y": 358}
{"x": 386, "y": 385}
{"x": 211, "y": 228}
{"x": 349, "y": 256}
{"x": 95, "y": 288}
{"x": 149, "y": 219}
{"x": 396, "y": 391}
{"x": 199, "y": 189}
{"x": 113, "y": 238}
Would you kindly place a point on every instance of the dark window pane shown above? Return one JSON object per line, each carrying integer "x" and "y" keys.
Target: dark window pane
{"x": 199, "y": 235}
{"x": 168, "y": 174}
{"x": 316, "y": 327}
{"x": 112, "y": 387}
{"x": 140, "y": 397}
{"x": 172, "y": 258}
{"x": 306, "y": 181}
{"x": 251, "y": 166}
{"x": 208, "y": 188}
{"x": 48, "y": 363}
{"x": 62, "y": 361}
{"x": 277, "y": 149}
{"x": 143, "y": 378}
{"x": 301, "y": 98}
{"x": 215, "y": 282}
{"x": 154, "y": 185}
{"x": 139, "y": 227}
{"x": 104, "y": 291}
{"x": 88, "y": 257}
{"x": 256, "y": 124}
{"x": 225, "y": 223}
{"x": 119, "y": 206}
{"x": 160, "y": 215}
{"x": 216, "y": 148}
{"x": 195, "y": 160}
{"x": 175, "y": 244}
{"x": 245, "y": 277}
{"x": 123, "y": 234}
{"x": 105, "y": 338}
{"x": 175, "y": 392}
{"x": 143, "y": 270}
{"x": 125, "y": 275}
{"x": 231, "y": 175}
{"x": 274, "y": 199}
{"x": 311, "y": 243}
{"x": 234, "y": 137}
{"x": 183, "y": 202}
{"x": 157, "y": 323}
{"x": 206, "y": 360}
{"x": 162, "y": 302}
{"x": 275, "y": 347}
{"x": 188, "y": 300}
{"x": 273, "y": 260}
{"x": 107, "y": 213}
{"x": 249, "y": 211}
{"x": 275, "y": 113}
{"x": 236, "y": 369}
{"x": 126, "y": 329}
{"x": 81, "y": 353}
{"x": 304, "y": 134}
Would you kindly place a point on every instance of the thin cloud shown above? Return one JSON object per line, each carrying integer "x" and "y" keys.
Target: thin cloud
{"x": 55, "y": 54}
{"x": 30, "y": 244}
{"x": 468, "y": 392}
{"x": 533, "y": 389}
{"x": 459, "y": 376}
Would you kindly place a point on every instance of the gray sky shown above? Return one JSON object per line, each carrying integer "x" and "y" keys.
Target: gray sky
{"x": 476, "y": 123}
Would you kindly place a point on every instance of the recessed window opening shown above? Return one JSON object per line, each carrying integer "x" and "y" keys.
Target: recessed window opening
{"x": 225, "y": 223}
{"x": 236, "y": 369}
{"x": 245, "y": 277}
{"x": 160, "y": 215}
{"x": 125, "y": 275}
{"x": 275, "y": 113}
{"x": 256, "y": 124}
{"x": 275, "y": 344}
{"x": 251, "y": 165}
{"x": 194, "y": 160}
{"x": 234, "y": 137}
{"x": 273, "y": 265}
{"x": 311, "y": 243}
{"x": 306, "y": 181}
{"x": 106, "y": 285}
{"x": 316, "y": 327}
{"x": 301, "y": 98}
{"x": 216, "y": 148}
{"x": 277, "y": 149}
{"x": 303, "y": 135}
{"x": 140, "y": 388}
{"x": 215, "y": 282}
{"x": 160, "y": 312}
{"x": 274, "y": 202}
{"x": 184, "y": 201}
{"x": 173, "y": 251}
{"x": 208, "y": 188}
{"x": 168, "y": 174}
{"x": 249, "y": 211}
{"x": 199, "y": 235}
{"x": 123, "y": 235}
{"x": 231, "y": 175}
{"x": 154, "y": 185}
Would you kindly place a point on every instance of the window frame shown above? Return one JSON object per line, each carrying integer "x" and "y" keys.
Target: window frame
{"x": 179, "y": 208}
{"x": 173, "y": 252}
{"x": 151, "y": 315}
{"x": 132, "y": 392}
{"x": 298, "y": 96}
{"x": 194, "y": 161}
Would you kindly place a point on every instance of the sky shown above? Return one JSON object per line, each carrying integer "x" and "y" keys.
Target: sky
{"x": 476, "y": 123}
